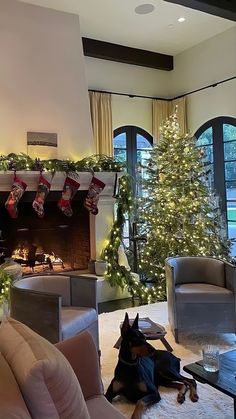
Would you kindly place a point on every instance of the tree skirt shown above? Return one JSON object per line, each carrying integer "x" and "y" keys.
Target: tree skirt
{"x": 211, "y": 404}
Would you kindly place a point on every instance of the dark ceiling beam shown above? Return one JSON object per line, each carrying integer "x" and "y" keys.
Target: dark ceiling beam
{"x": 119, "y": 53}
{"x": 221, "y": 8}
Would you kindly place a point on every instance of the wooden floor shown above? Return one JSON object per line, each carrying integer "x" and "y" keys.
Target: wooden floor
{"x": 117, "y": 305}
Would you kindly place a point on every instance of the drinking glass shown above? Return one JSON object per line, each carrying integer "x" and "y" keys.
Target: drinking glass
{"x": 210, "y": 355}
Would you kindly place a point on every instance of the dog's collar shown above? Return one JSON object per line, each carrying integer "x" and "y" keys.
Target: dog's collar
{"x": 128, "y": 363}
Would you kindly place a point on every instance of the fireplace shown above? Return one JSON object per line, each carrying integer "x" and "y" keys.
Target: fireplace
{"x": 53, "y": 243}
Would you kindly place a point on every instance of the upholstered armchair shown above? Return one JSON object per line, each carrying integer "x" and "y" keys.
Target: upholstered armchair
{"x": 57, "y": 307}
{"x": 201, "y": 293}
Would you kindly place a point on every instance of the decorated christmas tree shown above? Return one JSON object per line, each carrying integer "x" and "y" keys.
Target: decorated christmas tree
{"x": 180, "y": 215}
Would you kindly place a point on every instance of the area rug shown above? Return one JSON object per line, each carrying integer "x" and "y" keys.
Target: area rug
{"x": 211, "y": 404}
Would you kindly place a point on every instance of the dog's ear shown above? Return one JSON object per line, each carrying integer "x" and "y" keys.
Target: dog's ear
{"x": 125, "y": 326}
{"x": 135, "y": 323}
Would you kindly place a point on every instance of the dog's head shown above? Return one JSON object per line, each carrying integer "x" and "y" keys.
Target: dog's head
{"x": 133, "y": 343}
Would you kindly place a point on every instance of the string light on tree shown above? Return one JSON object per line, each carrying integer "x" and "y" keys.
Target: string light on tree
{"x": 179, "y": 213}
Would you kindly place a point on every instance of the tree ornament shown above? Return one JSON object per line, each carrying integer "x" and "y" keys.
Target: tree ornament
{"x": 42, "y": 191}
{"x": 95, "y": 188}
{"x": 70, "y": 188}
{"x": 17, "y": 190}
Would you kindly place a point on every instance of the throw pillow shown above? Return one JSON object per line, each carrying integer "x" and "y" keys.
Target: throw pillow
{"x": 46, "y": 379}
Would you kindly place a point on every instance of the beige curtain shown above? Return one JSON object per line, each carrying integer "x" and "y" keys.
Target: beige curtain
{"x": 162, "y": 109}
{"x": 160, "y": 112}
{"x": 101, "y": 115}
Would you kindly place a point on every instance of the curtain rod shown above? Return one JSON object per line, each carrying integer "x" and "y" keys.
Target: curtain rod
{"x": 131, "y": 95}
{"x": 161, "y": 98}
{"x": 205, "y": 87}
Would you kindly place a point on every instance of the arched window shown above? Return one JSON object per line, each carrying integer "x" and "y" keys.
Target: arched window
{"x": 132, "y": 145}
{"x": 217, "y": 139}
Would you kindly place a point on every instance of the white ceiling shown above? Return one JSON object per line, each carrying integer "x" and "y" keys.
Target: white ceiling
{"x": 115, "y": 21}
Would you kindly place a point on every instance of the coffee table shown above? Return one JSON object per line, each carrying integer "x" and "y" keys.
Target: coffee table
{"x": 224, "y": 380}
{"x": 151, "y": 330}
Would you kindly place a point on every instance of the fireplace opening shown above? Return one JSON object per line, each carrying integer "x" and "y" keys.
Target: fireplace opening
{"x": 55, "y": 243}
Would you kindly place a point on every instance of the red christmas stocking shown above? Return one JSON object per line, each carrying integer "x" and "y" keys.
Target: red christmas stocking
{"x": 42, "y": 192}
{"x": 70, "y": 188}
{"x": 95, "y": 188}
{"x": 17, "y": 190}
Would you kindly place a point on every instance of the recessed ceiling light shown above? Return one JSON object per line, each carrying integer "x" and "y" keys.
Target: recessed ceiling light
{"x": 144, "y": 9}
{"x": 181, "y": 19}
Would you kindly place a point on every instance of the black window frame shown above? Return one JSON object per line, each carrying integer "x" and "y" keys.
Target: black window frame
{"x": 219, "y": 161}
{"x": 131, "y": 132}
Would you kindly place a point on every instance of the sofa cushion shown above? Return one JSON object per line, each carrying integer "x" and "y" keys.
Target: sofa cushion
{"x": 100, "y": 408}
{"x": 76, "y": 319}
{"x": 202, "y": 293}
{"x": 46, "y": 379}
{"x": 12, "y": 405}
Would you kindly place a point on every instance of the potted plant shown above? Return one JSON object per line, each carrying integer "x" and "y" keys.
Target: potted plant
{"x": 100, "y": 267}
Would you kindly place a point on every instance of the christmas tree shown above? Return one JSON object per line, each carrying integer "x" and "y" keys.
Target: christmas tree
{"x": 180, "y": 214}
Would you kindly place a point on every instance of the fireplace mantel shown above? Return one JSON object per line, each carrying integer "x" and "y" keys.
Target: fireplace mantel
{"x": 31, "y": 179}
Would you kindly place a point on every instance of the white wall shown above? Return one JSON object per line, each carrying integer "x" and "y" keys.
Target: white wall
{"x": 42, "y": 79}
{"x": 124, "y": 78}
{"x": 202, "y": 65}
{"x": 210, "y": 61}
{"x": 214, "y": 102}
{"x": 132, "y": 111}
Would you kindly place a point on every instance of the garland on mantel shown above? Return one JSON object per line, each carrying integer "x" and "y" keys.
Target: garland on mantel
{"x": 116, "y": 274}
{"x": 94, "y": 163}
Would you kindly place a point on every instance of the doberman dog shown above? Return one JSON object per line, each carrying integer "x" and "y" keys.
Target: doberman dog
{"x": 141, "y": 369}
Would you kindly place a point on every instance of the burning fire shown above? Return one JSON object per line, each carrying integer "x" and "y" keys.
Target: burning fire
{"x": 29, "y": 257}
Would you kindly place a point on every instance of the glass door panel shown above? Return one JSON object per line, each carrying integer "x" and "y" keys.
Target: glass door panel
{"x": 229, "y": 132}
{"x": 229, "y": 139}
{"x": 120, "y": 145}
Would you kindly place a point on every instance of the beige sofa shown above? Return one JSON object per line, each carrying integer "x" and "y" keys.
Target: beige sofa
{"x": 44, "y": 381}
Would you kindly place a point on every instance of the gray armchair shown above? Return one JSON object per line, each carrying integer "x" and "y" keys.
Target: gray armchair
{"x": 57, "y": 307}
{"x": 201, "y": 295}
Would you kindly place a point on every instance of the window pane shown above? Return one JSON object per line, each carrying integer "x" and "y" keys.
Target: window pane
{"x": 143, "y": 157}
{"x": 207, "y": 154}
{"x": 142, "y": 142}
{"x": 232, "y": 235}
{"x": 230, "y": 151}
{"x": 229, "y": 132}
{"x": 126, "y": 228}
{"x": 232, "y": 229}
{"x": 231, "y": 210}
{"x": 230, "y": 190}
{"x": 120, "y": 155}
{"x": 230, "y": 171}
{"x": 126, "y": 243}
{"x": 205, "y": 138}
{"x": 210, "y": 176}
{"x": 120, "y": 140}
